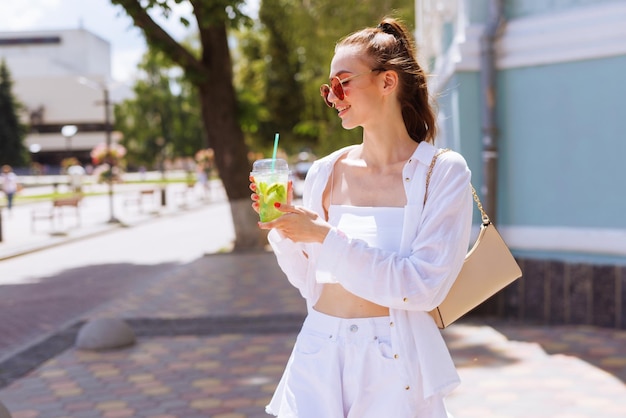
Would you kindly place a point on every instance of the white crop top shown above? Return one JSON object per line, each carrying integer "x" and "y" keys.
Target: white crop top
{"x": 380, "y": 227}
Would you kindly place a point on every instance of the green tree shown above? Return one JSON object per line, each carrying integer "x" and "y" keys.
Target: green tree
{"x": 12, "y": 132}
{"x": 283, "y": 93}
{"x": 163, "y": 118}
{"x": 210, "y": 71}
{"x": 297, "y": 46}
{"x": 250, "y": 68}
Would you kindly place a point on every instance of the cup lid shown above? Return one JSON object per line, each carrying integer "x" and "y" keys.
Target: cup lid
{"x": 266, "y": 165}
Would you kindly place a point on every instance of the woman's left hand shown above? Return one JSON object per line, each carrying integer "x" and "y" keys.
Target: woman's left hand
{"x": 299, "y": 224}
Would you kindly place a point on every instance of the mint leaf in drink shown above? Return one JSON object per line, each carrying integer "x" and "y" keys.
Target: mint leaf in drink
{"x": 277, "y": 192}
{"x": 262, "y": 187}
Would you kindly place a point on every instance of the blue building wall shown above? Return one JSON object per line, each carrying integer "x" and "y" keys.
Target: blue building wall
{"x": 521, "y": 8}
{"x": 563, "y": 136}
{"x": 561, "y": 115}
{"x": 477, "y": 10}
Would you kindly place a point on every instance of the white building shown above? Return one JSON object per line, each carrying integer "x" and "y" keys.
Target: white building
{"x": 61, "y": 77}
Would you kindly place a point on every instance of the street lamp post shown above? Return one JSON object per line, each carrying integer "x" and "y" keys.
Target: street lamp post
{"x": 107, "y": 123}
{"x": 68, "y": 131}
{"x": 161, "y": 143}
{"x": 107, "y": 129}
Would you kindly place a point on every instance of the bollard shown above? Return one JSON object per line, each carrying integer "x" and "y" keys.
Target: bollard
{"x": 105, "y": 334}
{"x": 163, "y": 197}
{"x": 4, "y": 412}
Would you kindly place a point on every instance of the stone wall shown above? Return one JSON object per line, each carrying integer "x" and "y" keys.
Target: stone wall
{"x": 555, "y": 292}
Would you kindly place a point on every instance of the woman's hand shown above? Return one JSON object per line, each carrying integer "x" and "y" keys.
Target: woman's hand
{"x": 298, "y": 224}
{"x": 255, "y": 197}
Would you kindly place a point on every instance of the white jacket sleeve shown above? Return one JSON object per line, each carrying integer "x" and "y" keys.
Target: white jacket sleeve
{"x": 295, "y": 258}
{"x": 421, "y": 280}
{"x": 291, "y": 259}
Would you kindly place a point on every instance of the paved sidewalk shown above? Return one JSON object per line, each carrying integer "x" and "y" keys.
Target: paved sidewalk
{"x": 213, "y": 338}
{"x": 22, "y": 235}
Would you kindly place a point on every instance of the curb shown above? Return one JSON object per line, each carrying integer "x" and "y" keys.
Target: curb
{"x": 105, "y": 228}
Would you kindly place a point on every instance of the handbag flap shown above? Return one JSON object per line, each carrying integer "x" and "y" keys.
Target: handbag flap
{"x": 489, "y": 266}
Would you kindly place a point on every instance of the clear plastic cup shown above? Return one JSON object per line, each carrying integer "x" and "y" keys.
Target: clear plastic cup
{"x": 271, "y": 186}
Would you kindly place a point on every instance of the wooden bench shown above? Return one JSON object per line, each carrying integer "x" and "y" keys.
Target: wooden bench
{"x": 56, "y": 211}
{"x": 182, "y": 196}
{"x": 139, "y": 197}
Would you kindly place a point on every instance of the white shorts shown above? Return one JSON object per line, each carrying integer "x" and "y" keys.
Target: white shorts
{"x": 344, "y": 368}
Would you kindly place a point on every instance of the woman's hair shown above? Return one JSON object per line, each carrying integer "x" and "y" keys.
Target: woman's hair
{"x": 390, "y": 47}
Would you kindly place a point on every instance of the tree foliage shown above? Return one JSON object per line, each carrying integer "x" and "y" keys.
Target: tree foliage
{"x": 293, "y": 54}
{"x": 12, "y": 131}
{"x": 163, "y": 119}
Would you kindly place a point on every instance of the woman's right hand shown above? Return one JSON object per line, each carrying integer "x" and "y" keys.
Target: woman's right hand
{"x": 254, "y": 196}
{"x": 298, "y": 224}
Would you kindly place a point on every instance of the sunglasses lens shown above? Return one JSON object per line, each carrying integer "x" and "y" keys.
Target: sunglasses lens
{"x": 335, "y": 84}
{"x": 336, "y": 87}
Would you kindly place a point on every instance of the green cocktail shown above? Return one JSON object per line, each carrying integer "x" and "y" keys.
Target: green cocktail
{"x": 271, "y": 179}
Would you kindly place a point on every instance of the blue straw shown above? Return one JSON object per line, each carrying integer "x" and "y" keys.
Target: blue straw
{"x": 275, "y": 150}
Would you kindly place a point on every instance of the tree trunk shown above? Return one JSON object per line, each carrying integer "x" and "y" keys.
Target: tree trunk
{"x": 212, "y": 75}
{"x": 219, "y": 114}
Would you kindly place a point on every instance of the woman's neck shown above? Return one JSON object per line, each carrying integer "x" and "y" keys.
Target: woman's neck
{"x": 386, "y": 140}
{"x": 387, "y": 147}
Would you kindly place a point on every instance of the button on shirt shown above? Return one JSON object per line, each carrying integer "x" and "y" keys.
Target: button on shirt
{"x": 410, "y": 282}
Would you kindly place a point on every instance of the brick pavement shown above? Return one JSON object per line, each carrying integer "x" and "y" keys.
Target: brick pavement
{"x": 223, "y": 375}
{"x": 189, "y": 364}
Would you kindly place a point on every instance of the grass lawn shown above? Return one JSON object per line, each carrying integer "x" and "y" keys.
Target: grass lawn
{"x": 22, "y": 199}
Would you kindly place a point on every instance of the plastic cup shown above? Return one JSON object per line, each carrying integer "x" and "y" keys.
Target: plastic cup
{"x": 271, "y": 186}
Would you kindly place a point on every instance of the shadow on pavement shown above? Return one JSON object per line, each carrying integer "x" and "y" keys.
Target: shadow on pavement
{"x": 212, "y": 295}
{"x": 34, "y": 309}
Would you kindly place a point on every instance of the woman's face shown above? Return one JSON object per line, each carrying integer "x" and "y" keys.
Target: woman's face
{"x": 360, "y": 93}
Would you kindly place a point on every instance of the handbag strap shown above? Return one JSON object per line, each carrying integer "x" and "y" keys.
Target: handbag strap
{"x": 483, "y": 214}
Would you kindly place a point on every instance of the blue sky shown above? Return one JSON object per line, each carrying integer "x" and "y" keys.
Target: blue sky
{"x": 98, "y": 16}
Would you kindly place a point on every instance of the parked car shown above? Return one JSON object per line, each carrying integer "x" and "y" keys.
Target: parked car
{"x": 302, "y": 168}
{"x": 298, "y": 174}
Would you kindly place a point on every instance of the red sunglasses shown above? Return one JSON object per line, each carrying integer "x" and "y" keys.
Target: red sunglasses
{"x": 336, "y": 85}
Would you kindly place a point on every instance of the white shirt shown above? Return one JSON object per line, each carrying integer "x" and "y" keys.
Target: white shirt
{"x": 9, "y": 182}
{"x": 379, "y": 227}
{"x": 411, "y": 282}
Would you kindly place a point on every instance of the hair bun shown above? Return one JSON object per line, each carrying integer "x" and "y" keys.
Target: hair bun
{"x": 387, "y": 28}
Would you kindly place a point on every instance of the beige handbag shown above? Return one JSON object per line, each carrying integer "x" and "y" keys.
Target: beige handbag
{"x": 489, "y": 267}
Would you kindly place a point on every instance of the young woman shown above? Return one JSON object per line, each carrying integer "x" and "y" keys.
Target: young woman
{"x": 365, "y": 251}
